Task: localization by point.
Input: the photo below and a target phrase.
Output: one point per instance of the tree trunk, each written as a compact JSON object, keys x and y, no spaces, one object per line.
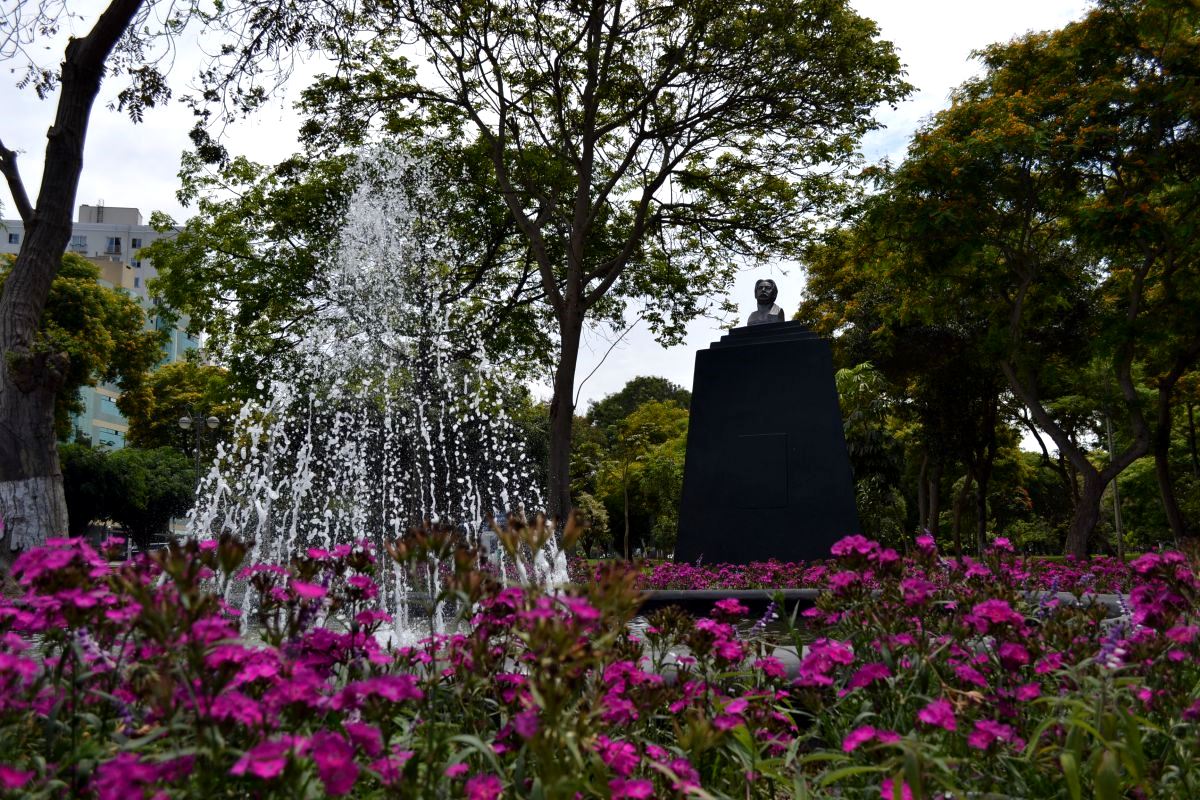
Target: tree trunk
{"x":1087,"y":514}
{"x":562,"y":415}
{"x":1192,"y":441}
{"x":923,"y":495}
{"x":960,"y":500}
{"x":981,"y":490}
{"x":1087,"y":502}
{"x":1162,"y":464}
{"x":625,"y":501}
{"x":32,"y":503}
{"x":935,"y":495}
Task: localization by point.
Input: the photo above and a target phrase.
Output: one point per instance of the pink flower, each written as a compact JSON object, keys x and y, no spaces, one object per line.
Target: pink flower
{"x":389,"y":767}
{"x":889,"y":790}
{"x":861,"y":735}
{"x":334,"y":758}
{"x":1013,"y":655}
{"x":986,"y":731}
{"x":916,"y":590}
{"x":994,"y":612}
{"x":771,"y":666}
{"x":13,"y":778}
{"x":1028,"y":691}
{"x":968,"y":674}
{"x":526,"y":724}
{"x":731,"y":607}
{"x":926,"y":544}
{"x":852,"y":545}
{"x":639,"y":789}
{"x":621,"y":757}
{"x":456,"y":770}
{"x":365,"y":737}
{"x":267,"y":759}
{"x":484,"y":787}
{"x":686,"y":776}
{"x":939,"y":713}
{"x":868,"y":675}
{"x":123,"y":777}
{"x":308,"y":591}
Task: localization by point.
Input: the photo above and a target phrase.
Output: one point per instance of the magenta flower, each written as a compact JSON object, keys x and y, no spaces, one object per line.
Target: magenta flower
{"x":484,"y":787}
{"x":456,"y":770}
{"x":852,"y":545}
{"x":638,"y":789}
{"x":940,"y":714}
{"x":334,"y":758}
{"x":686,"y":777}
{"x":926,"y":544}
{"x":986,"y":731}
{"x":308,"y":591}
{"x":621,"y":757}
{"x":994,"y":612}
{"x":365,"y":737}
{"x":526,"y":724}
{"x":267,"y":759}
{"x":889,"y":790}
{"x":1013,"y":655}
{"x":772,"y":667}
{"x":865,"y":733}
{"x":13,"y":778}
{"x":731,"y":607}
{"x":869,"y":674}
{"x":123,"y":777}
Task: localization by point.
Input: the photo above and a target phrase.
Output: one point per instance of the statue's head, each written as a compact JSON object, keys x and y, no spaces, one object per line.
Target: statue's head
{"x":765,"y":290}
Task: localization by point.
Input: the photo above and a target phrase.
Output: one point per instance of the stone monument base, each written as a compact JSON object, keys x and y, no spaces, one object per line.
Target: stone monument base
{"x":767,"y":473}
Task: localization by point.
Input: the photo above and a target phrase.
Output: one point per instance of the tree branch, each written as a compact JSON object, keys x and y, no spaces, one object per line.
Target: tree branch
{"x":8,"y":168}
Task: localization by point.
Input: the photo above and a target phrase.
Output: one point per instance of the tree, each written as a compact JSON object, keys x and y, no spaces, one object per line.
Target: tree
{"x":1057,"y":194}
{"x":131,"y":42}
{"x":173,"y":391}
{"x":87,"y":484}
{"x":650,"y":440}
{"x":252,"y":266}
{"x":639,"y":149}
{"x":610,"y":410}
{"x":149,"y":488}
{"x":102,"y":331}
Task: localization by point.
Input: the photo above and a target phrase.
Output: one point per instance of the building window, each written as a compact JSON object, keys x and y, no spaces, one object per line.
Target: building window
{"x":113,"y":247}
{"x":136,"y":263}
{"x":14,"y":238}
{"x":137,"y":281}
{"x":79,"y":242}
{"x":134,"y":244}
{"x":107,"y":437}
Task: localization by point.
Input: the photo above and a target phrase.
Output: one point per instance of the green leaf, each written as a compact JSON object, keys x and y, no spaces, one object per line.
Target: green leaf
{"x":1070,"y":767}
{"x":1108,"y":777}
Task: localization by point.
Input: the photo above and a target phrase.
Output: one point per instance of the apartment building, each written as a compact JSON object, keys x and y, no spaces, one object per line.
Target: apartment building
{"x":111,"y":237}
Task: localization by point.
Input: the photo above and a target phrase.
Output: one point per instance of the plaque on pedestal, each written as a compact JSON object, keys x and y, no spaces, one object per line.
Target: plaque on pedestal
{"x":767,"y":473}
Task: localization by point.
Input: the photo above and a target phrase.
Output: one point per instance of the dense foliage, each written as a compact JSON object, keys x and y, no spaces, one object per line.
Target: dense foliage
{"x":909,"y":678}
{"x":138,"y":489}
{"x":100,"y":328}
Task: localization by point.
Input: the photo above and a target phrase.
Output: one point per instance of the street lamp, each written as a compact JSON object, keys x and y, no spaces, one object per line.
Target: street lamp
{"x":198,"y":423}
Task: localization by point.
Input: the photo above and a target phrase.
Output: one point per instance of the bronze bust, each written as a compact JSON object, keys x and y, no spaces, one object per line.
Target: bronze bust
{"x":765,"y":292}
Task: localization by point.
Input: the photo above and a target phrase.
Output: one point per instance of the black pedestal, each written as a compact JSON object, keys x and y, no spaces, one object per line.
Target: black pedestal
{"x":767,"y":473}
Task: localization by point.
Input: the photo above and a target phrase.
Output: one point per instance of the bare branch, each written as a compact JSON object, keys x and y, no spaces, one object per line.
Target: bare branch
{"x":8,"y":168}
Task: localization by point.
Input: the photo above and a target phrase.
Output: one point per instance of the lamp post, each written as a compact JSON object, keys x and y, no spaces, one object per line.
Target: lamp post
{"x":196,"y":422}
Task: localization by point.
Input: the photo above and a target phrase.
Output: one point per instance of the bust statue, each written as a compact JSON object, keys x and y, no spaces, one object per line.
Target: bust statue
{"x":765,"y":292}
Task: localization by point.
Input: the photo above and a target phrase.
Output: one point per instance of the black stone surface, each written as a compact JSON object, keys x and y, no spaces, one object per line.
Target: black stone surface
{"x":767,"y":473}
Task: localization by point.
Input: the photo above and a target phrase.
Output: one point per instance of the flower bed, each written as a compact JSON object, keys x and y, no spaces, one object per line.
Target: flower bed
{"x":1100,"y":574}
{"x":925,"y":678}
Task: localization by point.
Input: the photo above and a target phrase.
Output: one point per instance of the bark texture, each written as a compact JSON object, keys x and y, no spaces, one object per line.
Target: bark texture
{"x":32,"y":503}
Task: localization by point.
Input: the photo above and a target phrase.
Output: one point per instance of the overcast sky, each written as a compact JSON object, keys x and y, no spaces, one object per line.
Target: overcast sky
{"x":128,"y":165}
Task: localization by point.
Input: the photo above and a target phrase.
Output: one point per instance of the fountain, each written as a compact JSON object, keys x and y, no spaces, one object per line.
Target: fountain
{"x":373,"y":425}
